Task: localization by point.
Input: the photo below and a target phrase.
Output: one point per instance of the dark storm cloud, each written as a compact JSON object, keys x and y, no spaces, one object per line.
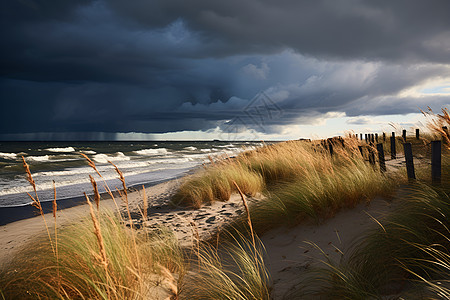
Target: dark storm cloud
{"x":342,"y":28}
{"x":165,"y":66}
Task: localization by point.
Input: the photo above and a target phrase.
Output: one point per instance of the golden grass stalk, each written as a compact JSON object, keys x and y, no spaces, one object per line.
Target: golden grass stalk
{"x":35,"y":200}
{"x":249,"y":220}
{"x":211,"y":160}
{"x":172,"y":284}
{"x":98,"y":234}
{"x":145,"y":203}
{"x":91,"y":164}
{"x":96,"y":193}
{"x":108,"y":190}
{"x":437,"y":123}
{"x":196,"y":236}
{"x":54,"y":209}
{"x":124,"y":191}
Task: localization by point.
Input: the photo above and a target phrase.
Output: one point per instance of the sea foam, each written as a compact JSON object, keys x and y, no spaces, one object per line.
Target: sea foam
{"x":103,"y":158}
{"x":158,"y":151}
{"x":66,"y":149}
{"x":8,"y":155}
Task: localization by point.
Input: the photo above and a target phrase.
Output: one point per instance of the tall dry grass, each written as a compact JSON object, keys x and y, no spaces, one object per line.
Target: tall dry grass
{"x":298,"y":179}
{"x":235,"y":271}
{"x":96,"y":259}
{"x":405,"y":255}
{"x":439,"y":124}
{"x":93,"y":266}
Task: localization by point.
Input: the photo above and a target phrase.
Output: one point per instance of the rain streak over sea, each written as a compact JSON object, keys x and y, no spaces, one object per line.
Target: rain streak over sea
{"x":140,"y":162}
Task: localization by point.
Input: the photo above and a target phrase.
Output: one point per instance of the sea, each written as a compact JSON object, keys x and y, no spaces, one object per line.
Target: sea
{"x":142,"y":163}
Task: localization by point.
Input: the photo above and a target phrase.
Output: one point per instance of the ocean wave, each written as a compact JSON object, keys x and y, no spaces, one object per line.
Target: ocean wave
{"x":38,"y":158}
{"x":190,"y":148}
{"x":158,"y":151}
{"x":66,"y":149}
{"x":226,"y":146}
{"x":8,"y":155}
{"x":205,"y":150}
{"x":103,"y":158}
{"x":88,"y":152}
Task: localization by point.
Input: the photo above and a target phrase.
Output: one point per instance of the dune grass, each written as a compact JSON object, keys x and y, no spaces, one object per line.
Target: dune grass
{"x":408,"y":253}
{"x":235,"y":270}
{"x":216,"y":184}
{"x":82,"y":272}
{"x":321,"y":195}
{"x":298,"y":180}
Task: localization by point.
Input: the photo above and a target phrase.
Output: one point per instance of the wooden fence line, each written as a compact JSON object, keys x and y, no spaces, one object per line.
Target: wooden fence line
{"x":436,"y":153}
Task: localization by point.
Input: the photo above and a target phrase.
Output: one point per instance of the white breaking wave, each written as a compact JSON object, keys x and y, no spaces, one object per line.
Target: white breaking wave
{"x":89,"y":152}
{"x":205,"y":150}
{"x":8,"y":155}
{"x":158,"y":151}
{"x":190,"y":148}
{"x":66,"y":149}
{"x":103,"y":158}
{"x":226,"y":146}
{"x":38,"y":158}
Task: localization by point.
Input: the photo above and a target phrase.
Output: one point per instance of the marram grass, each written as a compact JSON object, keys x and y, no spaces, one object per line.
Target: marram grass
{"x":407,"y":254}
{"x":234,"y":271}
{"x":80,"y":271}
{"x":270,"y":167}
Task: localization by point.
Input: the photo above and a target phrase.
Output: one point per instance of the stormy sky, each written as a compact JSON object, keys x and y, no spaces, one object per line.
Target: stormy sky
{"x":201,"y":69}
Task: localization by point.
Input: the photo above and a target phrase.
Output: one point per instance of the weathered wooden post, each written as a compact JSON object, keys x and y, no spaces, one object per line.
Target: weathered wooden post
{"x":384,"y":136}
{"x":393,"y":152}
{"x":381,"y":159}
{"x":404,"y":135}
{"x":409,"y":160}
{"x":371,"y":156}
{"x":361,"y":150}
{"x":330,"y":147}
{"x":360,"y":135}
{"x":417,"y":134}
{"x":436,"y":162}
{"x":366,"y":137}
{"x":376,"y":137}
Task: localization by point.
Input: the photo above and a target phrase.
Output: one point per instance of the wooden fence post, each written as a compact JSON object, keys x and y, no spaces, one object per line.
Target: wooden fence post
{"x":417,"y":133}
{"x":365,"y":137}
{"x":381,"y":159}
{"x":360,"y":135}
{"x":404,"y":135}
{"x":330,"y":147}
{"x":384,"y":136}
{"x":409,"y":160}
{"x":371,"y":156}
{"x":393,"y":152}
{"x":436,"y":162}
{"x":361,"y":150}
{"x":376,"y":137}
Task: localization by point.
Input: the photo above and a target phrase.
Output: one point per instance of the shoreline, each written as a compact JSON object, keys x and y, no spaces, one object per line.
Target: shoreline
{"x":10,"y":214}
{"x":14,"y":235}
